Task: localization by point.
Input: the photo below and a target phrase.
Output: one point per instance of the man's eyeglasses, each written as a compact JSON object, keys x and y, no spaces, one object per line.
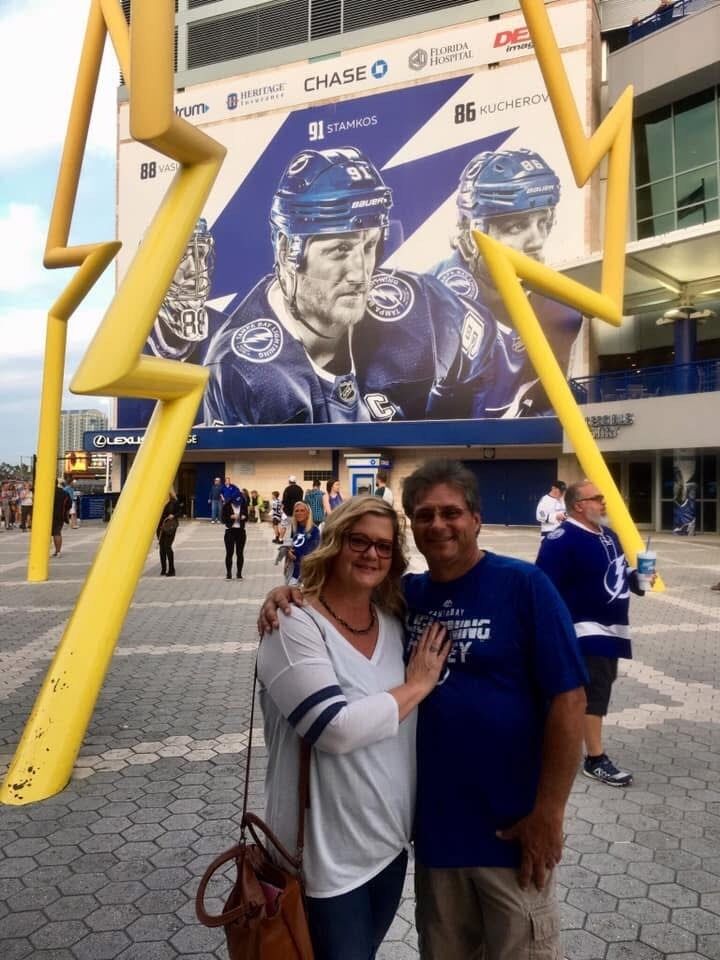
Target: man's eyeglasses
{"x":598,"y":498}
{"x":359,"y":543}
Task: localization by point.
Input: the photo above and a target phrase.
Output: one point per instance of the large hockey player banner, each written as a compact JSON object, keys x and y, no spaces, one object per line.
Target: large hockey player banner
{"x":332,"y":278}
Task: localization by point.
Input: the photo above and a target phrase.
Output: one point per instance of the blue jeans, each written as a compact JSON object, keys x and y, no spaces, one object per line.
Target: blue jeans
{"x":215,"y":507}
{"x":353,"y":925}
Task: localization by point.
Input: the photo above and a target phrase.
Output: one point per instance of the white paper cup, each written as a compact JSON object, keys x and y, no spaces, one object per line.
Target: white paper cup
{"x":646,"y":560}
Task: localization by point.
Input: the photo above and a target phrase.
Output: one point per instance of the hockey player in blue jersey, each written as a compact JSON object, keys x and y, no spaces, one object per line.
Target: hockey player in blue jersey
{"x":512,"y":196}
{"x":330,"y":338}
{"x":185,"y":325}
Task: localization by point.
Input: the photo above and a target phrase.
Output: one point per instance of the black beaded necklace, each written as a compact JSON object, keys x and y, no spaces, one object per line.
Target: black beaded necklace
{"x":345,"y":624}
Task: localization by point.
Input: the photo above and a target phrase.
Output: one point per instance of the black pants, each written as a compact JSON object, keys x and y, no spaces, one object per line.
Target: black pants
{"x":167,"y":557}
{"x":235,"y":538}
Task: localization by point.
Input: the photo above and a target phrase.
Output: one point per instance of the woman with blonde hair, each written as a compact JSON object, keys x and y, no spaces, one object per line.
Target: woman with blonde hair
{"x":303,"y":537}
{"x":333,"y":673}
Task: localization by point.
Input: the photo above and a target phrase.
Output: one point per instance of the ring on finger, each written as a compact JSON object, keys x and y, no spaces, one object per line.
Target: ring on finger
{"x":434,"y":649}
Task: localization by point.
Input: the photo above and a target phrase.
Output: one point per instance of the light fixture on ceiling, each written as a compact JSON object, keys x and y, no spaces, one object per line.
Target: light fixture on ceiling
{"x":688,"y":312}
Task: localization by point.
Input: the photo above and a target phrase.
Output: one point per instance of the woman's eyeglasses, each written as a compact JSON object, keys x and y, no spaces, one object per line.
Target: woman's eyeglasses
{"x":359,"y":543}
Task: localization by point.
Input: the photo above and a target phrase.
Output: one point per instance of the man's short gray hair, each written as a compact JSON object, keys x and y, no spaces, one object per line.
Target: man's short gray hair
{"x":434,"y":472}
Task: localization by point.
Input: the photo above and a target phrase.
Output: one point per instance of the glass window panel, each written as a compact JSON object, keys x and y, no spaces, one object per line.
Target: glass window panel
{"x":666,"y":515}
{"x":709,"y":518}
{"x":653,"y":146}
{"x":657,"y":198}
{"x":695,"y":133}
{"x":667,"y":478}
{"x":699,"y":213}
{"x":695,"y":187}
{"x":655,"y":226}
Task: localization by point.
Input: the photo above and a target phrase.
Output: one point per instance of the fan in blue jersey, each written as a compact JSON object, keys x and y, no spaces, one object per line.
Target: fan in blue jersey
{"x":328,"y":337}
{"x":185,"y":324}
{"x":511,"y":195}
{"x":585,"y":561}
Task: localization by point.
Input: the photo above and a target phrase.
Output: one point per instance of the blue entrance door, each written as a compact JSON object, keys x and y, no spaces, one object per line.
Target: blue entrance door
{"x":205,"y":473}
{"x":510,"y":489}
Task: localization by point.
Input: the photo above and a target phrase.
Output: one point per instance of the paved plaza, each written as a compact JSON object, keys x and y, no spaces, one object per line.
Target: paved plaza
{"x":110,"y":866}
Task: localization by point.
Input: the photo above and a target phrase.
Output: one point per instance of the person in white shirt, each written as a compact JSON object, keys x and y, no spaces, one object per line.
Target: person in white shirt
{"x":382,"y":489}
{"x":333,"y":673}
{"x":550,"y":511}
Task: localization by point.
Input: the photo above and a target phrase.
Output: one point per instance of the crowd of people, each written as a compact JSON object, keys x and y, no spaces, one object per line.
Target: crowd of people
{"x":16,"y":503}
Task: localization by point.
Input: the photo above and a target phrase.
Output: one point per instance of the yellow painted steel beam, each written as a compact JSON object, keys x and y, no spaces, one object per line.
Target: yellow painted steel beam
{"x":508,"y":267}
{"x":114,"y":365}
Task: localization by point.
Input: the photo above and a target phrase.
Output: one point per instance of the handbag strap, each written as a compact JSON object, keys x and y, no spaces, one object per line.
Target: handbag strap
{"x":303,"y":781}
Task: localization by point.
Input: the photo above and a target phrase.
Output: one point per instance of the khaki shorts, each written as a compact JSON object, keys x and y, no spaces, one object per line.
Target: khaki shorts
{"x":480,"y":913}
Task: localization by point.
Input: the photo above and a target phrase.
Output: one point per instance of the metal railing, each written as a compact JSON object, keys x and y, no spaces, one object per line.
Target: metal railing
{"x":703,"y":376}
{"x":665,"y":14}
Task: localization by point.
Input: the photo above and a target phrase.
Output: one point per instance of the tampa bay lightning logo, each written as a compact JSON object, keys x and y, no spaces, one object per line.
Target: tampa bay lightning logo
{"x":299,"y":164}
{"x":258,"y":341}
{"x":616,"y":582}
{"x":460,"y":282}
{"x":391,"y":297}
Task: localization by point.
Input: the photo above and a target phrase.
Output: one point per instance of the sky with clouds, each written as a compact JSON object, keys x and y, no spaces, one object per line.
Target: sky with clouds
{"x":40,"y":43}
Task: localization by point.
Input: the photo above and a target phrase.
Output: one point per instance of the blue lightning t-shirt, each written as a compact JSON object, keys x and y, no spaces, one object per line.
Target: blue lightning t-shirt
{"x":480,"y":732}
{"x":419,"y":352}
{"x":515,"y":389}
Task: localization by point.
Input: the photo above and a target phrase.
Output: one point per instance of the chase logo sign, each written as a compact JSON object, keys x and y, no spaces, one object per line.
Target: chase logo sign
{"x":258,"y":341}
{"x":379,"y":69}
{"x":391,"y":298}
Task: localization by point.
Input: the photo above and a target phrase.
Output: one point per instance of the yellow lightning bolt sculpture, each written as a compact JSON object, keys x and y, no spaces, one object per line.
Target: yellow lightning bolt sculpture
{"x":114,"y":365}
{"x":507,"y":267}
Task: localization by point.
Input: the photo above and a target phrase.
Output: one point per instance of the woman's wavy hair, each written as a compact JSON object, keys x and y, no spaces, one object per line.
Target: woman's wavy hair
{"x":317,"y":566}
{"x":309,"y":523}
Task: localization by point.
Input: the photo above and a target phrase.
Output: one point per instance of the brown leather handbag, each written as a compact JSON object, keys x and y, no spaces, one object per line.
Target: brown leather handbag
{"x":264,"y":916}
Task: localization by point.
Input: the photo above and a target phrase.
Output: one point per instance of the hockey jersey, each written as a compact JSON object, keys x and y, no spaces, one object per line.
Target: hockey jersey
{"x":516,"y":390}
{"x":419,"y":352}
{"x":592,"y":576}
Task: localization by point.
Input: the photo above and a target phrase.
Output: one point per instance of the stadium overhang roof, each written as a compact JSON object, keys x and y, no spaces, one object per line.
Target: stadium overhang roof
{"x":676,"y":269}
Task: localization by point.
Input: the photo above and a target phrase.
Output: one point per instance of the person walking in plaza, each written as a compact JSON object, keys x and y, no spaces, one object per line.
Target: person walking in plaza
{"x":314,"y":499}
{"x":550,"y":511}
{"x":26,"y":507}
{"x":333,"y":498}
{"x":302,"y":538}
{"x":291,"y":495}
{"x":60,"y":516}
{"x":166,"y":530}
{"x":229,"y":491}
{"x":276,"y":515}
{"x":585,"y":561}
{"x":215,"y":500}
{"x":499,"y":739}
{"x":234,"y":516}
{"x":333,"y":673}
{"x":382,"y":489}
{"x":6,"y":504}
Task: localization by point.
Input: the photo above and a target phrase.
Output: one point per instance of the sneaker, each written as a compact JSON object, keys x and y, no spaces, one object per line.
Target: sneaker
{"x":603,"y":769}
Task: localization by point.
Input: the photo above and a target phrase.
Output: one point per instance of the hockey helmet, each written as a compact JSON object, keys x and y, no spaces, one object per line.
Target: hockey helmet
{"x":328,"y":192}
{"x":506,"y":181}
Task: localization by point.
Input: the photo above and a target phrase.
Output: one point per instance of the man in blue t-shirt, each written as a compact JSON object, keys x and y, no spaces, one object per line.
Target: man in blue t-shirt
{"x":585,"y":561}
{"x":499,"y":738}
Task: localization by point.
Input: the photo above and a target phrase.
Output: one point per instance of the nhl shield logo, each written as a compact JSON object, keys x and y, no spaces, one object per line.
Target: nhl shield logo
{"x":347,"y":392}
{"x":391,"y":297}
{"x":460,"y":282}
{"x":258,"y":341}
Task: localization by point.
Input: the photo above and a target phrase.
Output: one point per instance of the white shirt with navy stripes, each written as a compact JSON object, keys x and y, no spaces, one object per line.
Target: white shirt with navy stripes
{"x":362,"y":776}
